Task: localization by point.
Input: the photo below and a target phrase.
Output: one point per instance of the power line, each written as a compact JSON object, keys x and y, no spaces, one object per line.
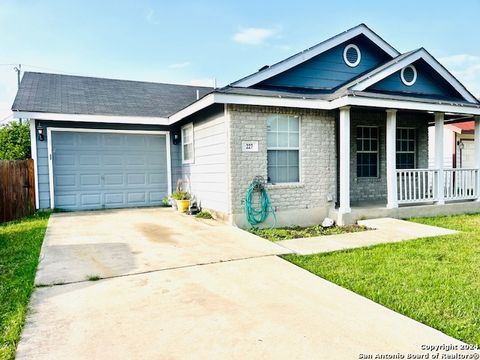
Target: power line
{"x":44,"y":68}
{"x":51,"y":69}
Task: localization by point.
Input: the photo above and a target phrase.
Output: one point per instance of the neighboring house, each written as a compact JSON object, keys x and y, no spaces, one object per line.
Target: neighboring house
{"x":339,"y":130}
{"x":459,"y":145}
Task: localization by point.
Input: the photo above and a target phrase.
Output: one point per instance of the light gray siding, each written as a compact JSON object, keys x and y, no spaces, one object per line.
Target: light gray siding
{"x":43,"y":182}
{"x":42,"y":150}
{"x":206,"y":177}
{"x":176,"y":156}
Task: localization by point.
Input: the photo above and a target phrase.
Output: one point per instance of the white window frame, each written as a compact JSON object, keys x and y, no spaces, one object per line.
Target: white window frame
{"x":402,"y":75}
{"x":192,"y":160}
{"x":345,"y":58}
{"x":407,"y":152}
{"x":367,"y":152}
{"x":289,"y":148}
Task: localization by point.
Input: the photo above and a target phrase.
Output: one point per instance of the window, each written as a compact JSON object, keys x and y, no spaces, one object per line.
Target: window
{"x":367,"y":151}
{"x":283,"y":140}
{"x":187,"y":144}
{"x":406,"y":139}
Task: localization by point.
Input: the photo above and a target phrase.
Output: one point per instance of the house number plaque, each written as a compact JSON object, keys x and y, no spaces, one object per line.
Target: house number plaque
{"x":250,"y":146}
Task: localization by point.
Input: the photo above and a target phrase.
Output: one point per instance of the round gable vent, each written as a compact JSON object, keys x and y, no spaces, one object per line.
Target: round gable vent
{"x":409,"y":75}
{"x":352,"y":55}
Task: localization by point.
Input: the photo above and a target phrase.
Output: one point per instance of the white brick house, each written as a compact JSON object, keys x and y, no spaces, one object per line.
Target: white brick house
{"x":339,"y":130}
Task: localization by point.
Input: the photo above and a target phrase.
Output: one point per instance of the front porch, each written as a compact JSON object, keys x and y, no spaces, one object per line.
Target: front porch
{"x":394,"y":167}
{"x":374,"y":210}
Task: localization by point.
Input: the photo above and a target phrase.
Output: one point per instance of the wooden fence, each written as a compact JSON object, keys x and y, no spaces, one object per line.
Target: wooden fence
{"x":17,"y":189}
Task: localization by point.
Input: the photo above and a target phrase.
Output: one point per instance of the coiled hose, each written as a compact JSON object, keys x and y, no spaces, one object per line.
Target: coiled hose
{"x":258,"y":215}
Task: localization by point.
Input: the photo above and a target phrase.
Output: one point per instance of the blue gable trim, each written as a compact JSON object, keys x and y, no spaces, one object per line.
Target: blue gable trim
{"x":428,"y":84}
{"x":328,"y":70}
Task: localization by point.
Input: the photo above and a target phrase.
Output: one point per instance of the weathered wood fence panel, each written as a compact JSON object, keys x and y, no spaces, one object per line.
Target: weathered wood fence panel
{"x":17,"y":189}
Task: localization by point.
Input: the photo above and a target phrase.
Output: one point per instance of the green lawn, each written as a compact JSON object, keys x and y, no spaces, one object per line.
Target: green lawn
{"x":433,"y":280}
{"x":295,"y":232}
{"x":20,"y":243}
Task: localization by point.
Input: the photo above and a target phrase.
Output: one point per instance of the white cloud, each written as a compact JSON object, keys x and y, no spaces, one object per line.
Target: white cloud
{"x":465,"y":68}
{"x":179,"y":65}
{"x":253,"y":36}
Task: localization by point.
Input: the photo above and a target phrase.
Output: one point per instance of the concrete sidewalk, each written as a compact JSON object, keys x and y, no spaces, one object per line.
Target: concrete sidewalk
{"x":386,"y":230}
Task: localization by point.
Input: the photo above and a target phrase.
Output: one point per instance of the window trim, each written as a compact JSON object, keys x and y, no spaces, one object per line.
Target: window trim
{"x":368,"y":152}
{"x":192,"y":160}
{"x":402,"y":75}
{"x":300,"y":178}
{"x":345,"y":58}
{"x":407,"y":152}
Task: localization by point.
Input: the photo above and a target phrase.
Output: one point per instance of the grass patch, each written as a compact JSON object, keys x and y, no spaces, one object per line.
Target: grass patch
{"x":204,"y":215}
{"x":20,"y":243}
{"x":93,"y":277}
{"x":433,"y":280}
{"x":295,"y":232}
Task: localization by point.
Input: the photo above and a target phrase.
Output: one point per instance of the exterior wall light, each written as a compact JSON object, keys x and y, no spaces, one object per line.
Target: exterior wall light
{"x":176,"y":139}
{"x":40,"y":133}
{"x":461,"y":146}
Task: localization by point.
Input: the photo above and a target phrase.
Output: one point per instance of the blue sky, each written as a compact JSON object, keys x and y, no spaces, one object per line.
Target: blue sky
{"x":192,"y":42}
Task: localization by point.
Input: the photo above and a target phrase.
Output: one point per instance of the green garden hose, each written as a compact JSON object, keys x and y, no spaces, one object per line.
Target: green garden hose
{"x":258,"y":215}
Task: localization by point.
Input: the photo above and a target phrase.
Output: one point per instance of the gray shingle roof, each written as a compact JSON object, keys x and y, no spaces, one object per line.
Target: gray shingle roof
{"x":66,"y":94}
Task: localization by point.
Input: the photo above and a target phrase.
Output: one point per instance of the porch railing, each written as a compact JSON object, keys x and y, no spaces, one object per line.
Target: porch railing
{"x":421,"y":185}
{"x":460,"y":184}
{"x":416,"y":185}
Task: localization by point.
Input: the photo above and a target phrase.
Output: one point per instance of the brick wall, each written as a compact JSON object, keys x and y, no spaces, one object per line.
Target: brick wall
{"x":317,"y":185}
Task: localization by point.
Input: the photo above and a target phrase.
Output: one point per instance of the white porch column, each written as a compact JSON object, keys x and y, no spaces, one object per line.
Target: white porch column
{"x":439,"y":140}
{"x":392,"y":199}
{"x":477,"y":154}
{"x":344,"y":161}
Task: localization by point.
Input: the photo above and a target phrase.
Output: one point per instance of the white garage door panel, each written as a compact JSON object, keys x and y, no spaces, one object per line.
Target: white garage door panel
{"x":102,"y":170}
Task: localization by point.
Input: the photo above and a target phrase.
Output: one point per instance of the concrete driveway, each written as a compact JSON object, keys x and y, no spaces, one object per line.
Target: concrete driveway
{"x":112,"y":243}
{"x":254,"y":306}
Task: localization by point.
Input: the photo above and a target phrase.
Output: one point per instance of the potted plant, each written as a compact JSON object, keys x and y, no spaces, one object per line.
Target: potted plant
{"x":182,"y":198}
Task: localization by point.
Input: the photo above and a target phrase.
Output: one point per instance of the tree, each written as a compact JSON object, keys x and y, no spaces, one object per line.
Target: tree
{"x":15,"y":141}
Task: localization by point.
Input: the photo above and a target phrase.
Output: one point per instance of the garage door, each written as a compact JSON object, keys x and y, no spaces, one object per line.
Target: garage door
{"x":108,"y":170}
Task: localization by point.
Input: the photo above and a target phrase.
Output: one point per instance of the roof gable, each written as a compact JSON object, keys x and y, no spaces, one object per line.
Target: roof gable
{"x":428,"y":83}
{"x":435,"y":80}
{"x":328,"y":70}
{"x":314,"y":51}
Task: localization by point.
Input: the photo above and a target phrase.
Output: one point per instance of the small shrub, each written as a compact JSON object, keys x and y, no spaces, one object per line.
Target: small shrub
{"x":15,"y":141}
{"x":204,"y":215}
{"x":166,"y":202}
{"x":93,"y":277}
